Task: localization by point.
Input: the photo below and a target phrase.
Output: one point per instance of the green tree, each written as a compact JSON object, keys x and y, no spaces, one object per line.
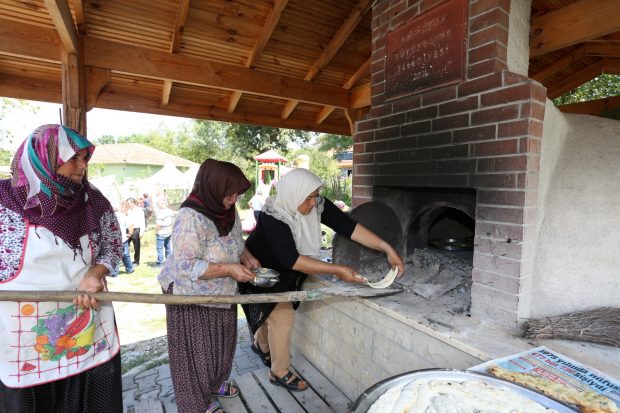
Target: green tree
{"x":104,"y":140}
{"x":326,"y":167}
{"x":337,"y":143}
{"x":5,"y":156}
{"x":250,"y":140}
{"x":602,"y":86}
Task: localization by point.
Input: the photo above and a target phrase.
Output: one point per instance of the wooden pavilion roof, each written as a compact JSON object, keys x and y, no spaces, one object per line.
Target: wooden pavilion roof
{"x":301,"y":64}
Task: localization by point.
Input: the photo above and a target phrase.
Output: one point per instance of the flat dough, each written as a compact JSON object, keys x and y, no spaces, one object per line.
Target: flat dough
{"x":386,"y":281}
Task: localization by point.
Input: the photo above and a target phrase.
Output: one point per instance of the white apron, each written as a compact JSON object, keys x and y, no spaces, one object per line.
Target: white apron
{"x":47,"y":341}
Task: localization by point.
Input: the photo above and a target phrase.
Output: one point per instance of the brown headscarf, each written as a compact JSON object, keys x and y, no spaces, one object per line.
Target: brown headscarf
{"x":215,"y":181}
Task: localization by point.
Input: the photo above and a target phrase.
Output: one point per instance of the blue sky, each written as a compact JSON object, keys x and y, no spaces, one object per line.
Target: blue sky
{"x":99,"y":122}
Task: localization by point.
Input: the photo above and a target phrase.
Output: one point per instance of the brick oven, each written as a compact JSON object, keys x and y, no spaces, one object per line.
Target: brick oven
{"x":452,"y":148}
{"x":472,"y":143}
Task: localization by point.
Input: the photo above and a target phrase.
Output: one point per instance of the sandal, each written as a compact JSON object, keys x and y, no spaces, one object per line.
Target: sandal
{"x":289,"y":381}
{"x":215,"y":407}
{"x":227,"y":390}
{"x":265,"y":357}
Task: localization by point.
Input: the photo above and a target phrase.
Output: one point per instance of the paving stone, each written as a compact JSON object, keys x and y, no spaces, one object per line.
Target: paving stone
{"x":145,"y":373}
{"x":164,"y":372}
{"x":170,"y":405}
{"x":149,"y":406}
{"x":147,"y":385}
{"x":129,"y":383}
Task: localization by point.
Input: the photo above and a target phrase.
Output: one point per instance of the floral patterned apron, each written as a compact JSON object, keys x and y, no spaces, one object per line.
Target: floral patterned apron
{"x":47,"y":341}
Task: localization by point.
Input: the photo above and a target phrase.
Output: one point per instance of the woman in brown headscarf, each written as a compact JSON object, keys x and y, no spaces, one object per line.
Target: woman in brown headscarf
{"x":209,"y":257}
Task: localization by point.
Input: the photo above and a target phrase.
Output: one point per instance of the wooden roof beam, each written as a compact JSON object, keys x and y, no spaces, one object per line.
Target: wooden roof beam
{"x":24,"y":40}
{"x":21,"y":39}
{"x":30,"y":88}
{"x":602,"y":50}
{"x":592,"y":107}
{"x":576,"y":79}
{"x":359,"y":73}
{"x":343,"y":33}
{"x":573,"y":24}
{"x":80,"y":17}
{"x":201,"y":72}
{"x":261,"y":41}
{"x":179,"y":25}
{"x":63,"y":21}
{"x":559,"y":64}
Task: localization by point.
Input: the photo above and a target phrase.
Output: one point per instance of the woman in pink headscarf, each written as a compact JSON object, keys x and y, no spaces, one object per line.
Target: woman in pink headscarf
{"x":57,"y":232}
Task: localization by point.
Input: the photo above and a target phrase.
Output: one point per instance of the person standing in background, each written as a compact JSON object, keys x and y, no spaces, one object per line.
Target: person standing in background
{"x":164,"y":217}
{"x":125,"y":236}
{"x":256,"y":203}
{"x":137,"y":225}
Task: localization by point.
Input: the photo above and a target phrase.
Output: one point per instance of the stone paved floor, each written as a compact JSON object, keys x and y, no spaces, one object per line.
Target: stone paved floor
{"x":151,"y":391}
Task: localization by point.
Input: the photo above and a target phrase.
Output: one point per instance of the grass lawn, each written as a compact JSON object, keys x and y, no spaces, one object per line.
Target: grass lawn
{"x":136,"y":321}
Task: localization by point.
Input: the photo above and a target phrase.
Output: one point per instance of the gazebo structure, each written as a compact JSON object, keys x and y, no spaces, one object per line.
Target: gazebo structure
{"x":449,"y":105}
{"x":268,"y":166}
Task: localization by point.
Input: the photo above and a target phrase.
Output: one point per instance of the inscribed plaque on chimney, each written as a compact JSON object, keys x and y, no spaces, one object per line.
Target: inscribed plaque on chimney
{"x":427,"y":51}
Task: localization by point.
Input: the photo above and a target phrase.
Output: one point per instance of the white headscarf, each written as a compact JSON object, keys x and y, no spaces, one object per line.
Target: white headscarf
{"x":293,"y":189}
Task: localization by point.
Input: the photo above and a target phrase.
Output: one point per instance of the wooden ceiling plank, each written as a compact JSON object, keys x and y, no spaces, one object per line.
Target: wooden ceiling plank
{"x":80,"y":17}
{"x":261,"y":41}
{"x":573,"y":24}
{"x":343,"y":33}
{"x":576,"y":79}
{"x":192,"y":70}
{"x":544,"y":74}
{"x":63,"y":21}
{"x":175,"y":44}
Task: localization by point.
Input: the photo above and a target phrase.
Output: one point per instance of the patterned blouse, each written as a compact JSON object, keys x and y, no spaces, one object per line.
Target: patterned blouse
{"x":106,"y":245}
{"x":195,"y":244}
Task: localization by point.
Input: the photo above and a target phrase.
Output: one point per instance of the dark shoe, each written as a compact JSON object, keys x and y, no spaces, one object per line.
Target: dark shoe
{"x":227,"y":389}
{"x":289,"y":381}
{"x":265,"y":357}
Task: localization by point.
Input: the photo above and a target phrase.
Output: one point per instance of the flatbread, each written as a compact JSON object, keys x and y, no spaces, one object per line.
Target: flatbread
{"x":451,"y":396}
{"x":587,"y":401}
{"x":386,"y":281}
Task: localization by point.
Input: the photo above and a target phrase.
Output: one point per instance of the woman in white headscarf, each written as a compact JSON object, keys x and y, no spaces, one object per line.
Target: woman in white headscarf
{"x":287,"y":238}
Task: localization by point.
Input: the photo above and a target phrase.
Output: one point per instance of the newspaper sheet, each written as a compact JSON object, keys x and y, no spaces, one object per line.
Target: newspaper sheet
{"x":542,"y":367}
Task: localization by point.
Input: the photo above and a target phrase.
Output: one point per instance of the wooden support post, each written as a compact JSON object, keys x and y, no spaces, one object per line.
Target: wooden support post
{"x":73,"y":94}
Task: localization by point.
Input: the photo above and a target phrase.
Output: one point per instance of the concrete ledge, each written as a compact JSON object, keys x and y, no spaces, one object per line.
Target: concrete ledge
{"x":357,"y":342}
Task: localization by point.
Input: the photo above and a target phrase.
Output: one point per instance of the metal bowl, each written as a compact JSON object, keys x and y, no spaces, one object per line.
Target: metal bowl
{"x":372,"y":394}
{"x":265,"y":277}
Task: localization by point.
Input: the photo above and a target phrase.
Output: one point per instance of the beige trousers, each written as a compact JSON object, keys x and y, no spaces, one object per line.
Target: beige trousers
{"x":274,"y":336}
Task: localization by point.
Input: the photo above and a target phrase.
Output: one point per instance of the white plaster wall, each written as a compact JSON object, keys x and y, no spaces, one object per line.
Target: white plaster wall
{"x":519,"y":36}
{"x":577,"y":264}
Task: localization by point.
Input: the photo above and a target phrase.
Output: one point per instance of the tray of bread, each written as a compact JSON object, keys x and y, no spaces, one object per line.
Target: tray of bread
{"x":450,"y":390}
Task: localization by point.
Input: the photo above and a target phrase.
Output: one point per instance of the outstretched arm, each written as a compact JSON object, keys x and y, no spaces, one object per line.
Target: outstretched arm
{"x":369,"y":239}
{"x":310,"y":265}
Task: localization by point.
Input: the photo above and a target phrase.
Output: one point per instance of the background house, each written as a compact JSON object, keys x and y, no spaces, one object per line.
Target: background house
{"x":132,"y":160}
